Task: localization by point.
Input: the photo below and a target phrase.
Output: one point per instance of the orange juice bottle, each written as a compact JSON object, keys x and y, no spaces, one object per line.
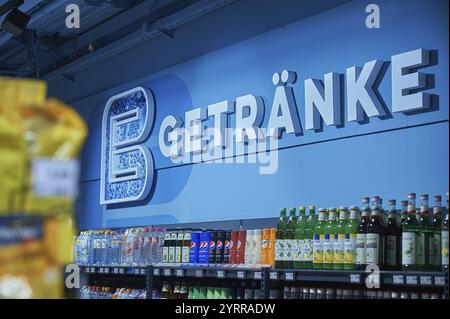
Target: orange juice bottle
{"x":265,"y":246}
{"x":271,"y":247}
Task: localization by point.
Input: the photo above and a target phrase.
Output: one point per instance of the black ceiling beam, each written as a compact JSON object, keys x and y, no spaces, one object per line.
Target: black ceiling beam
{"x":9,"y":5}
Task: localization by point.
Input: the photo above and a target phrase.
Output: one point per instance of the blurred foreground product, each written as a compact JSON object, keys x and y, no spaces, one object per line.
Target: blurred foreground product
{"x":40,"y":141}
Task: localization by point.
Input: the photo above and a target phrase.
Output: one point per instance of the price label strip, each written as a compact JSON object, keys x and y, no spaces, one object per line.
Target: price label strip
{"x":143,"y":271}
{"x":289,"y":276}
{"x":137,"y":271}
{"x":180,"y":273}
{"x":355,"y":278}
{"x":220,"y":274}
{"x":199,"y":273}
{"x":156,"y":272}
{"x":425,"y":280}
{"x":92,"y":270}
{"x":398,"y":279}
{"x":240,"y":274}
{"x":411,"y":280}
{"x":257,"y":275}
{"x":121,"y":271}
{"x":273,"y":275}
{"x":439,"y":281}
{"x":167,"y":272}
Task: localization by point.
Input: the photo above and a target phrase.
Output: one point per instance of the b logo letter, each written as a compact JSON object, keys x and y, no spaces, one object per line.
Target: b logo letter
{"x":127,"y":167}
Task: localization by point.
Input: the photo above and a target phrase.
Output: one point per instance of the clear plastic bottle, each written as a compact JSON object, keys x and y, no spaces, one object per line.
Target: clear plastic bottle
{"x":257,"y":238}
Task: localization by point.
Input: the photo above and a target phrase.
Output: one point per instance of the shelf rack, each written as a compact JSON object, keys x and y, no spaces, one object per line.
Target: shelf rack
{"x":267,"y":277}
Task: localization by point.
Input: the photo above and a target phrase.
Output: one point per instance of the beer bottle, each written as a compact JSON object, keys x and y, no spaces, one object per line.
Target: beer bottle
{"x":410,"y":237}
{"x":444,"y":240}
{"x":424,"y":232}
{"x":434,"y":251}
{"x":404,"y":211}
{"x":299,"y":238}
{"x":308,"y":238}
{"x":167,"y":240}
{"x":375,"y":238}
{"x":280,"y":240}
{"x":290,"y":233}
{"x":339,"y":239}
{"x":328,"y":243}
{"x":179,"y":247}
{"x":318,"y":240}
{"x":393,"y":235}
{"x":361,"y":236}
{"x":351,"y":233}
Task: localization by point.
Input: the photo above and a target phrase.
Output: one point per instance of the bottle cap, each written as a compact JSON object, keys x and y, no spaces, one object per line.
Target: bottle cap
{"x":332,"y":209}
{"x":312,"y":207}
{"x":375,"y":197}
{"x":301,"y":209}
{"x":322,"y":210}
{"x":424,"y":197}
{"x":437,"y":198}
{"x":392,"y":202}
{"x":365,"y":199}
{"x":404,"y":203}
{"x":412,"y":195}
{"x":292,"y":210}
{"x":343,"y":208}
{"x":354,"y":208}
{"x":283,"y":210}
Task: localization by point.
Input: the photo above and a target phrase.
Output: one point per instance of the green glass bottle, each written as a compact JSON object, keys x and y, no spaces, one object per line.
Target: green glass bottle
{"x":328,"y":242}
{"x":290,"y":240}
{"x":410,"y":237}
{"x":280,"y":240}
{"x":425,"y":231}
{"x":434,"y":251}
{"x":319,"y":239}
{"x":308,"y":238}
{"x":392,"y":239}
{"x":299,"y":238}
{"x":339,"y":239}
{"x":444,"y":240}
{"x":351,"y":231}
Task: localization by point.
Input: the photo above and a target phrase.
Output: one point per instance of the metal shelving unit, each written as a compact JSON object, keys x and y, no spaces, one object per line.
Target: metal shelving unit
{"x":266,"y":277}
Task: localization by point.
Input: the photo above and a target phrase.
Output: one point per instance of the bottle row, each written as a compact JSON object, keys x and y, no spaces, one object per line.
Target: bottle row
{"x":96,"y":292}
{"x":338,"y":293}
{"x":409,"y":239}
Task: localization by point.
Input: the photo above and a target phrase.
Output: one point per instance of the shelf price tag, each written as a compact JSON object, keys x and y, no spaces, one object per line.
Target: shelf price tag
{"x":273,"y":275}
{"x":398,"y":279}
{"x":180,"y":273}
{"x":439,"y":281}
{"x":156,"y":272}
{"x":92,"y":270}
{"x":425,"y":280}
{"x":289,"y":276}
{"x":240,"y":274}
{"x":355,"y":278}
{"x":106,"y":271}
{"x":143,"y":271}
{"x":199,"y":273}
{"x":167,"y":272}
{"x":137,"y":271}
{"x":87,"y":270}
{"x":121,"y":270}
{"x":115,"y":271}
{"x":411,"y":280}
{"x":101,"y":270}
{"x":257,"y":275}
{"x":220,"y":274}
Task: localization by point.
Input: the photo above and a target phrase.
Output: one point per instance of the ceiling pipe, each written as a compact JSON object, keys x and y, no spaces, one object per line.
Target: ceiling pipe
{"x":49,"y":7}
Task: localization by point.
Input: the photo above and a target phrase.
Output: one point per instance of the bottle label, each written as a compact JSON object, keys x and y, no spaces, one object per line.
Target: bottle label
{"x":171,"y":254}
{"x":298,"y":250}
{"x":372,"y":248}
{"x":178,"y":254}
{"x":264,"y":244}
{"x":328,"y":249}
{"x":361,"y":249}
{"x":339,"y":248}
{"x":307,"y":251}
{"x":391,"y":250}
{"x":434,"y":249}
{"x":409,"y":248}
{"x":288,"y":249}
{"x":421,"y":249}
{"x":279,"y":250}
{"x":185,"y":254}
{"x":444,"y":247}
{"x":165,"y":254}
{"x":350,"y":249}
{"x":318,"y":249}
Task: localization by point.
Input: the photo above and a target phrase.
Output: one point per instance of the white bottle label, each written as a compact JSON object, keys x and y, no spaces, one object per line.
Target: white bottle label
{"x":288,"y":249}
{"x":307,"y":250}
{"x":409,"y":248}
{"x":279,"y":250}
{"x":318,"y":249}
{"x":372,"y":248}
{"x":165,"y":254}
{"x":391,"y":250}
{"x":297,"y":250}
{"x":361,"y":249}
{"x":339,"y":248}
{"x":444,"y":247}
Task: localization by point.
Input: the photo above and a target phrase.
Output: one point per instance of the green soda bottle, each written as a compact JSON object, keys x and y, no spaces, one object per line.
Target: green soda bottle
{"x":425,"y":231}
{"x":308,"y":238}
{"x":319,"y":239}
{"x":299,"y":236}
{"x":351,"y":232}
{"x":280,"y":240}
{"x":339,"y":239}
{"x":434,"y":252}
{"x":290,"y":240}
{"x":410,"y":237}
{"x":328,"y":242}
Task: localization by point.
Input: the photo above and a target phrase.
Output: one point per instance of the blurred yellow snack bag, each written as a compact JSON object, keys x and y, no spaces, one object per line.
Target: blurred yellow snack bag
{"x":16,"y":91}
